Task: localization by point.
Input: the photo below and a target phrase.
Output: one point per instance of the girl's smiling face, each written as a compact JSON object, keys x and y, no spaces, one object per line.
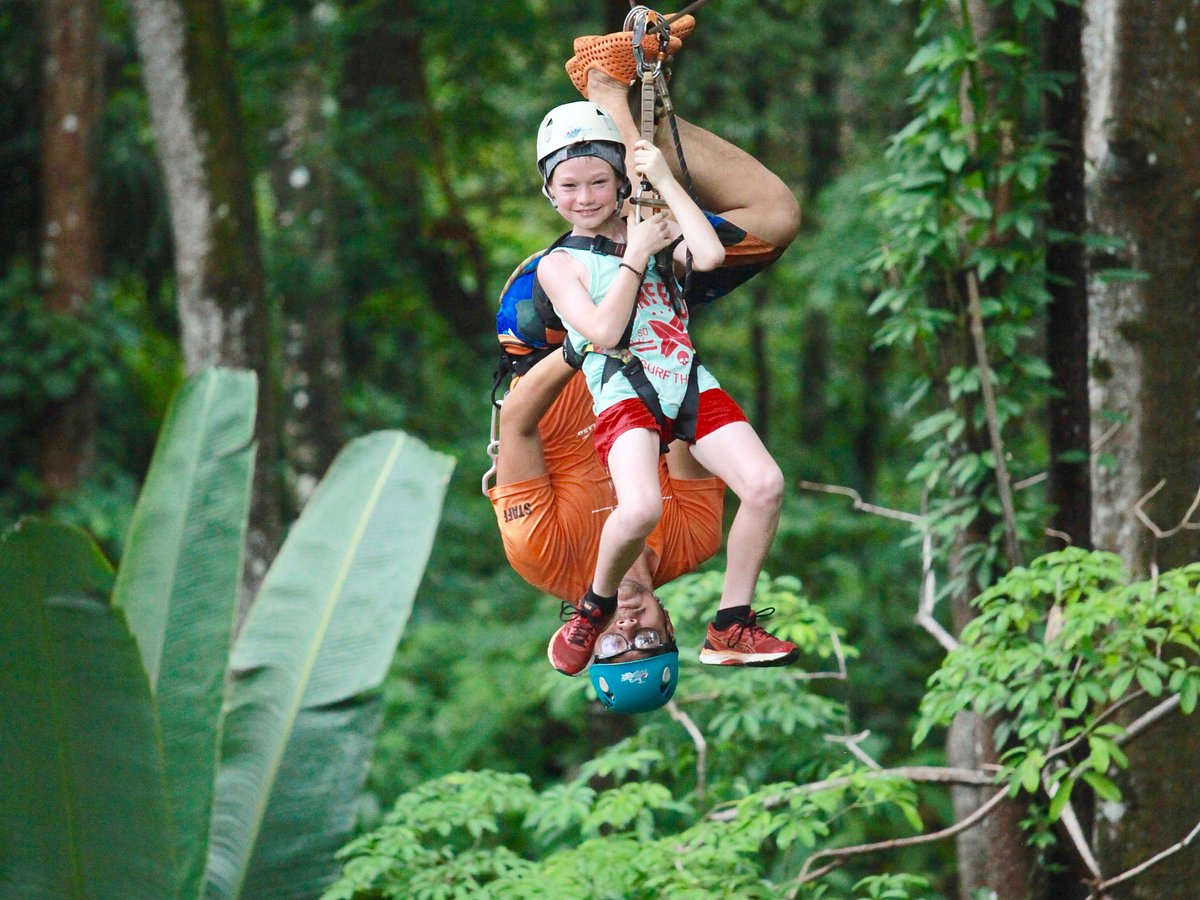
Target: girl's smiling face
{"x":585,"y":191}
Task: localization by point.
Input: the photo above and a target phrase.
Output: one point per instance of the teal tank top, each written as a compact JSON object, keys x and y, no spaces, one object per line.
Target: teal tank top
{"x":659,"y":338}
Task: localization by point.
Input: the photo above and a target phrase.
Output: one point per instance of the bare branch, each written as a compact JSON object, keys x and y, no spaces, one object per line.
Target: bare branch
{"x":861,"y":504}
{"x":839,"y":654}
{"x":1003,"y":482}
{"x":1184,"y":523}
{"x":1108,"y":435}
{"x":928,"y":599}
{"x":1148,"y":719}
{"x":701,"y":744}
{"x":1074,"y":829}
{"x":1143,"y":866}
{"x":1100,"y":719}
{"x":857,"y":850}
{"x":1042,"y":476}
{"x":1030,"y":481}
{"x":813,"y":876}
{"x":1061,"y":535}
{"x":852,"y":744}
{"x":921,"y":774}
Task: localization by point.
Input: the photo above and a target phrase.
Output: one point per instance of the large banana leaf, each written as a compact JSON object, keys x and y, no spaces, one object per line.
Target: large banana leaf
{"x":178,"y":585}
{"x":308,"y":664}
{"x":82,"y":798}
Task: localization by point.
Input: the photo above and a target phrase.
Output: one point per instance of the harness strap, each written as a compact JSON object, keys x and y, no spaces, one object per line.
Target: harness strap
{"x":541,"y":303}
{"x":606,"y":247}
{"x":598,"y":244}
{"x":684,"y":426}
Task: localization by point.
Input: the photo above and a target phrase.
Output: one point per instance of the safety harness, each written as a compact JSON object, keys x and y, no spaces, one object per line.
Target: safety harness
{"x":526,"y":324}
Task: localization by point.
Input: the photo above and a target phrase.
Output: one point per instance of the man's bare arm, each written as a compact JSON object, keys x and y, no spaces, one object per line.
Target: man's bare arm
{"x":520,"y":455}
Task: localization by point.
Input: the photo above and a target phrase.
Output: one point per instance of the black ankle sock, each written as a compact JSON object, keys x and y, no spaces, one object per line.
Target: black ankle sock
{"x":727,"y":617}
{"x":608,"y":605}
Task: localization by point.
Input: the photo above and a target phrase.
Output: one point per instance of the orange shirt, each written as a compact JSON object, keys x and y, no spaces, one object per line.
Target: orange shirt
{"x":551,"y":525}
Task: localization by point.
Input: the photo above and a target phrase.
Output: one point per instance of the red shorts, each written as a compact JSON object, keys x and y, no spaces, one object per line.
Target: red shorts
{"x":716,"y":409}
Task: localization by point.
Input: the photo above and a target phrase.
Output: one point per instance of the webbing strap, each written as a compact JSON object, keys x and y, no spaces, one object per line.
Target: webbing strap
{"x":597,"y":244}
{"x":684,"y":426}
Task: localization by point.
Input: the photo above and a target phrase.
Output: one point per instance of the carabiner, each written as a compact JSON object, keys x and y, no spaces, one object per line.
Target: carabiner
{"x":643,"y":19}
{"x":493,"y":451}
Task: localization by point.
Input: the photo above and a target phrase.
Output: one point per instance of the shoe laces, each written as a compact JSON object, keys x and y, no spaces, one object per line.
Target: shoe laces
{"x":750,"y":624}
{"x":580,"y":628}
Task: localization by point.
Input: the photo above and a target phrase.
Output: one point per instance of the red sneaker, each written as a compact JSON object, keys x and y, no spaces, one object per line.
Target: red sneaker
{"x":745,"y":643}
{"x":571,"y":649}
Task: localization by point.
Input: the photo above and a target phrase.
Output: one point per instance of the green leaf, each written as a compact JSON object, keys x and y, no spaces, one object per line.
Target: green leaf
{"x":1100,"y":755}
{"x":313,"y":652}
{"x":1187,"y":696}
{"x":1120,"y":684}
{"x":84,"y":811}
{"x":1150,"y":681}
{"x":178,"y":586}
{"x":1106,"y":276}
{"x":974,"y":205}
{"x":1061,"y":799}
{"x":953,"y":156}
{"x":1030,"y":772}
{"x":1103,"y":787}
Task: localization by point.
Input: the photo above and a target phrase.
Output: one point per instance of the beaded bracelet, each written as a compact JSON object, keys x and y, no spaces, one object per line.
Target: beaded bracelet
{"x":641,"y":275}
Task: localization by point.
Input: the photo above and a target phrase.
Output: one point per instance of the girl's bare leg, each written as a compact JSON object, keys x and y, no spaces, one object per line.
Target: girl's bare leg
{"x":736,"y":455}
{"x":633,"y":465}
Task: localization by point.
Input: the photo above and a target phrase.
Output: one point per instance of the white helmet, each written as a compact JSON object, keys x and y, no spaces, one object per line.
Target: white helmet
{"x":579,"y":129}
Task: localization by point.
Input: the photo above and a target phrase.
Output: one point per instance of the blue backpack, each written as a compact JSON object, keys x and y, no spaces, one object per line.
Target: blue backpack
{"x":526,"y":324}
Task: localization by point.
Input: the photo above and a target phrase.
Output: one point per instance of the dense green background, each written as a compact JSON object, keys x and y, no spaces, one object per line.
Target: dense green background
{"x":428,"y":197}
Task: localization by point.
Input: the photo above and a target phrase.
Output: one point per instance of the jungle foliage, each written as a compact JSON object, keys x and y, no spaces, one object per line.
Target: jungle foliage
{"x":227,"y":772}
{"x":894,"y":355}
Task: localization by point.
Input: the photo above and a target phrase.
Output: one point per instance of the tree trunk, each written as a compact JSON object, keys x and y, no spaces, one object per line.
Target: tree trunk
{"x":1068,"y":417}
{"x":223,"y":310}
{"x":69,"y":251}
{"x":993,"y":855}
{"x":1143,"y":143}
{"x":1066,"y":327}
{"x":824,"y":119}
{"x":384,"y":84}
{"x":813,"y":367}
{"x":307,"y":269}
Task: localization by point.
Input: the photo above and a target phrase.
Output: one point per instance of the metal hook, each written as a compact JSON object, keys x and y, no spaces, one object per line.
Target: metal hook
{"x":643,"y":19}
{"x":493,"y":450}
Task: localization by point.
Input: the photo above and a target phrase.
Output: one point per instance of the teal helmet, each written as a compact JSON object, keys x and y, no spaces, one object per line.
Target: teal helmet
{"x":637,"y":686}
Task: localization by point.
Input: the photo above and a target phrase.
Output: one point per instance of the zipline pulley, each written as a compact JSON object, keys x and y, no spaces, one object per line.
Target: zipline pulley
{"x":642,"y":21}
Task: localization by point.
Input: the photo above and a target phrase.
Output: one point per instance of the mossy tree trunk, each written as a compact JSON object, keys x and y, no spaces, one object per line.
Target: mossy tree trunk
{"x":1143,"y":145}
{"x":993,"y":856}
{"x":224,"y":313}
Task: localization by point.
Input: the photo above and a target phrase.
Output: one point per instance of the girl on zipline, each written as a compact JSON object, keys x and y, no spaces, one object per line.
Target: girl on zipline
{"x":626,"y":319}
{"x":552,"y":497}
